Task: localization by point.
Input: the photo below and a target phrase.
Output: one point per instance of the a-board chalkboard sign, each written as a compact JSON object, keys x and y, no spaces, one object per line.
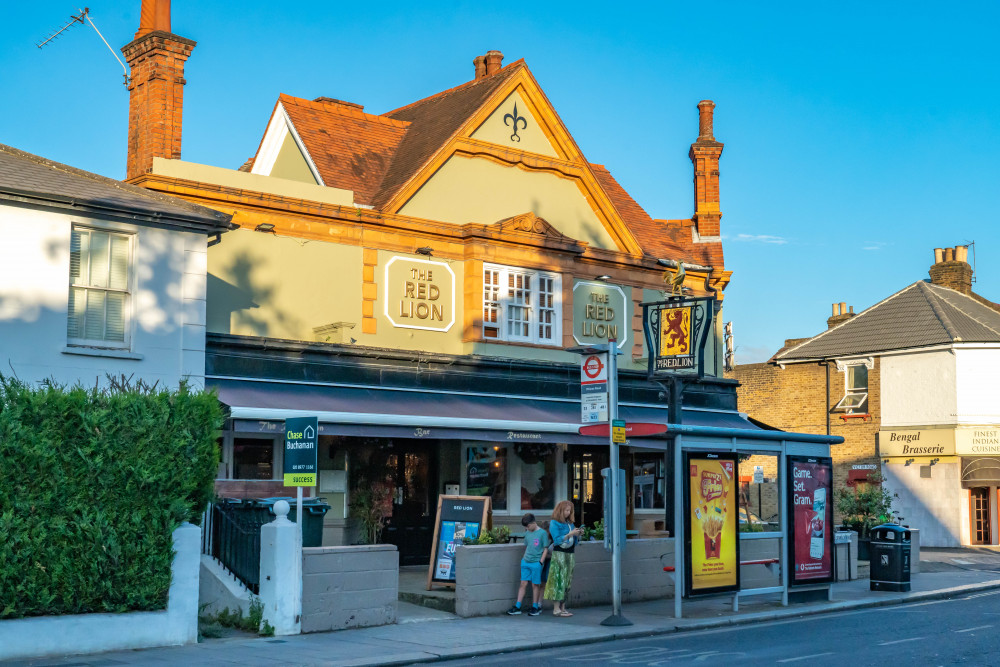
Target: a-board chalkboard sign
{"x":458,"y":517}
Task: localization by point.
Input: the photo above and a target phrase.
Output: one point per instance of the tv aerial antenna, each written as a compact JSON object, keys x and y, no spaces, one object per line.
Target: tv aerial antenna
{"x":84,"y":16}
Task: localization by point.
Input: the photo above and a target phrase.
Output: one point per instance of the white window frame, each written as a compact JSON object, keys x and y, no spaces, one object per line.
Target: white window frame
{"x":855,"y":400}
{"x":128,"y":291}
{"x":497,"y":299}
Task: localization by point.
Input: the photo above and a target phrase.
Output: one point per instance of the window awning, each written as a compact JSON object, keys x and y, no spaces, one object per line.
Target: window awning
{"x":980,"y":471}
{"x":261,"y":407}
{"x":855,"y":477}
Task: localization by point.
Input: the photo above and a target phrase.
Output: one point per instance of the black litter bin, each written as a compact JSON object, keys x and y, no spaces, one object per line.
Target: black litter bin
{"x":313,"y":512}
{"x":890,"y":558}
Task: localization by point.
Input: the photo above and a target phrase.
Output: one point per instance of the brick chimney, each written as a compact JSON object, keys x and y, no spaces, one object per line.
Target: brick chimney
{"x":705,"y":153}
{"x":156,"y":88}
{"x":479,"y":62}
{"x":951,"y":269}
{"x":840,"y":314}
{"x":494,"y":61}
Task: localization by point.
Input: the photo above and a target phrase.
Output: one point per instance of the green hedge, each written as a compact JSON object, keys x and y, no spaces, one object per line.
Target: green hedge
{"x":93,"y":484}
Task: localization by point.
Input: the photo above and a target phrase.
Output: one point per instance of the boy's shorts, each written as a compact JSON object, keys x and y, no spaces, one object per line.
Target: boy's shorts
{"x":531,"y":572}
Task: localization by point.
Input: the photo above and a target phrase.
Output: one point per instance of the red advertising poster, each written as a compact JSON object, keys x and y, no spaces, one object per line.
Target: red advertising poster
{"x":811,"y":502}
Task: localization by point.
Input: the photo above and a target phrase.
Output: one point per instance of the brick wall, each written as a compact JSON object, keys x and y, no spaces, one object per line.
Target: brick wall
{"x":794,"y":399}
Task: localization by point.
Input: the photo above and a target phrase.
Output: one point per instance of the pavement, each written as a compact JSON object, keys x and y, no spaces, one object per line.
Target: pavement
{"x":426,"y":635}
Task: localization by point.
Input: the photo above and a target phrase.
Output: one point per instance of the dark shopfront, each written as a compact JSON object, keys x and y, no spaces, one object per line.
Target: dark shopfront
{"x":436,"y":431}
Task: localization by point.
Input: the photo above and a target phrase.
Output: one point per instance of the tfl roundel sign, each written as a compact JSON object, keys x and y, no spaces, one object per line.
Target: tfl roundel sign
{"x":593,"y":369}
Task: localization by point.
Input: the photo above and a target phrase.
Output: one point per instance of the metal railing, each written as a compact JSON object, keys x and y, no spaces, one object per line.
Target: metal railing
{"x":231,"y":535}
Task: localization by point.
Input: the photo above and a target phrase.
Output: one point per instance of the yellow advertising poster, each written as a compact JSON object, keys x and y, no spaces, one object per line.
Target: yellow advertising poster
{"x":675,"y":331}
{"x":714,"y":555}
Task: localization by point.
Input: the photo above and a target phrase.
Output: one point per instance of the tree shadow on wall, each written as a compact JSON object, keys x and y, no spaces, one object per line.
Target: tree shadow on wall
{"x":245,"y":304}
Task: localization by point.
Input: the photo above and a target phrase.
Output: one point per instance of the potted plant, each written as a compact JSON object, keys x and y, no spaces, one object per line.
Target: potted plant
{"x":372,"y":506}
{"x":864,"y":509}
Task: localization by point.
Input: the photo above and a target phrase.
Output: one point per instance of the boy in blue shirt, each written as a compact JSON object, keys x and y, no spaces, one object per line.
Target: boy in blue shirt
{"x":536,"y":541}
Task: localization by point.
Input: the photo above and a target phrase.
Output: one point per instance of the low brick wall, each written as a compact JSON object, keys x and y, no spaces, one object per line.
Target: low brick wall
{"x":487,"y":576}
{"x":349,"y":587}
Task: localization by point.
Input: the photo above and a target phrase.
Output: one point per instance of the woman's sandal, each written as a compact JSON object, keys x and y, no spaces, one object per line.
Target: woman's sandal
{"x":564,"y":614}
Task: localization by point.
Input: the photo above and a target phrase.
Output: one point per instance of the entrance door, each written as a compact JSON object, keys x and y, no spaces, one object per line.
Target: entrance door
{"x":979,"y":505}
{"x":412,"y":465}
{"x":586,"y":486}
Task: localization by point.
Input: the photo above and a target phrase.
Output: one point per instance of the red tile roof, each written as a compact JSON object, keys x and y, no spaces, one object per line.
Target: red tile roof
{"x":663,"y":239}
{"x":376,"y":156}
{"x":350,"y":148}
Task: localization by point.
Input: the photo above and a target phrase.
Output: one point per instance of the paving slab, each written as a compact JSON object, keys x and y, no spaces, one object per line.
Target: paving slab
{"x":425,"y":635}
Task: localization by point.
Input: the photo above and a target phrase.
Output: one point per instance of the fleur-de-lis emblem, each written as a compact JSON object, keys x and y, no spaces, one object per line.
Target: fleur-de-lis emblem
{"x":515,"y":119}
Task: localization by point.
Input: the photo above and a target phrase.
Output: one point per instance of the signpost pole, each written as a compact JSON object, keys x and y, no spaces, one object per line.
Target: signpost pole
{"x":616,"y":618}
{"x":298,"y":505}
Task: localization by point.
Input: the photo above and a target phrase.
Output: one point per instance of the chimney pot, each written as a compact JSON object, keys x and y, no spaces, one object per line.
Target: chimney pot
{"x":153,"y":15}
{"x":479,"y":62}
{"x":843,"y":308}
{"x":962,"y":253}
{"x":852,"y":310}
{"x":705,"y":110}
{"x":494,"y":61}
{"x":949,"y":254}
{"x":836,"y":309}
{"x":938,"y":255}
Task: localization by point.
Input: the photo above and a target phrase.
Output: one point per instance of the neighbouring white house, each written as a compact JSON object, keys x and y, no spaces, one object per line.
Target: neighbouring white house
{"x":99,"y":277}
{"x":938,"y":349}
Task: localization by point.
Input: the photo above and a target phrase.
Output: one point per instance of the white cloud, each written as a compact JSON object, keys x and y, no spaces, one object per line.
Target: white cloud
{"x":761,"y":238}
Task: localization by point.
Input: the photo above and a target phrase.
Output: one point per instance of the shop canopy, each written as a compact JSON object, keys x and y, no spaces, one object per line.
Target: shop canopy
{"x":261,"y":406}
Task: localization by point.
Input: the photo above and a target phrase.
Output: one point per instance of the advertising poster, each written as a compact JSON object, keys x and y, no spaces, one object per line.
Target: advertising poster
{"x":811,"y":499}
{"x":301,"y":436}
{"x":711,"y":534}
{"x":458,"y":517}
{"x":453,"y":533}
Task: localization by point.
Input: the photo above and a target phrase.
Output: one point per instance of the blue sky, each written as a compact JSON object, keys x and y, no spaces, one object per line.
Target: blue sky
{"x":859,"y":135}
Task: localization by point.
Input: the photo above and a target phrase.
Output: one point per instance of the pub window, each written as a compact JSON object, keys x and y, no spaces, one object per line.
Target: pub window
{"x":99,"y":278}
{"x":856,"y":390}
{"x":486,"y":473}
{"x":520,"y":305}
{"x":536,"y":464}
{"x":253,"y":458}
{"x":648,"y":481}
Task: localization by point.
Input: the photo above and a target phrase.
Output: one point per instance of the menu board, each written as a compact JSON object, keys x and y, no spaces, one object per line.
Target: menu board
{"x":458,"y":517}
{"x":810,"y":494}
{"x":710,"y":532}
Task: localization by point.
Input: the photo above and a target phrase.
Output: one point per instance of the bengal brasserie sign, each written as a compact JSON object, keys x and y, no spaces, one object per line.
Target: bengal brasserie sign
{"x":419,"y":294}
{"x":924,"y":442}
{"x":600,"y":313}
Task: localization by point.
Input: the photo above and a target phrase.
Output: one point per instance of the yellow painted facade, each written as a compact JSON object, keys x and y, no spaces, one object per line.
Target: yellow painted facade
{"x":291,"y":164}
{"x":529,"y":137}
{"x":469,"y":189}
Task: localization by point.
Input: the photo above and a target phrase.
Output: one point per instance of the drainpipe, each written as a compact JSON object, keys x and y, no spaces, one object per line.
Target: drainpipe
{"x":826,"y":408}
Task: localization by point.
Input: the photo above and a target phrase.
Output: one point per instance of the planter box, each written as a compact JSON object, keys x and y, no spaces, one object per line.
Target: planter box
{"x":487,"y":576}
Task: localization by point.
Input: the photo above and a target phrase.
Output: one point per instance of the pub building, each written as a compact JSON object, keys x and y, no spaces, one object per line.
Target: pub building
{"x":413,"y":278}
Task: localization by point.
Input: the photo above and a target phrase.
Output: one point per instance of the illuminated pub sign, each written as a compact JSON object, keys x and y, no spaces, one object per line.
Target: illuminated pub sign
{"x":600,"y":313}
{"x":419,"y":294}
{"x":676,"y":333}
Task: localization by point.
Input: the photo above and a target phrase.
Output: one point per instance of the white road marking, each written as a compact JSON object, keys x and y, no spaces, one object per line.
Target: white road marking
{"x":978,"y":627}
{"x":957,"y":561}
{"x":900,"y":641}
{"x":805,"y":657}
{"x":981,"y":595}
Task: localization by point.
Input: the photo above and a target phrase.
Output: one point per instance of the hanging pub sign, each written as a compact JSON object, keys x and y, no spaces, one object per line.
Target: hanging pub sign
{"x":810,"y":548}
{"x":676,"y":332}
{"x":458,"y":517}
{"x":710,"y":532}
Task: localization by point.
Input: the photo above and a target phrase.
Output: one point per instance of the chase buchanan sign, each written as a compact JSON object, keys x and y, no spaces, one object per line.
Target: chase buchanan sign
{"x":966,"y":441}
{"x":600,"y":313}
{"x":420,"y":294}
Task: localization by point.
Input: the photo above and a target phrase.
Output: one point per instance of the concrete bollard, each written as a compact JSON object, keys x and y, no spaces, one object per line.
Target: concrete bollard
{"x":281,"y":572}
